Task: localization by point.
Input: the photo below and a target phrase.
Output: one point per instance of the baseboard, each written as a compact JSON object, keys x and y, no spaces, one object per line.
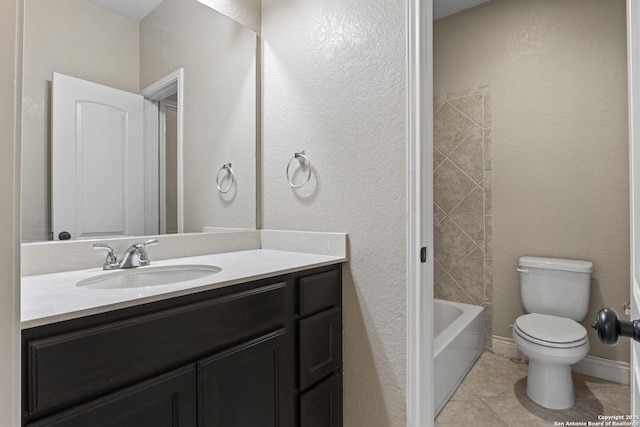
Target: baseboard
{"x":610,"y":370}
{"x":505,"y":347}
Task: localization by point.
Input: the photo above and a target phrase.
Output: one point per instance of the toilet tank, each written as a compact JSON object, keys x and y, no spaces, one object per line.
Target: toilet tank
{"x":554,"y":286}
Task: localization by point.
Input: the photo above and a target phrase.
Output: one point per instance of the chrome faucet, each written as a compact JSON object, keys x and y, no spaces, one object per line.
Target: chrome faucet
{"x":134,"y":256}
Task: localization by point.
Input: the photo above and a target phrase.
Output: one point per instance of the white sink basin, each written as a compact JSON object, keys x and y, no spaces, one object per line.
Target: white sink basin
{"x":147,"y":276}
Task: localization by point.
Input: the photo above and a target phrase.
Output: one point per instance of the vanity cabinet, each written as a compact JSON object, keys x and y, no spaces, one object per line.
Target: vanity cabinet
{"x":319,"y":325}
{"x":263,"y":353}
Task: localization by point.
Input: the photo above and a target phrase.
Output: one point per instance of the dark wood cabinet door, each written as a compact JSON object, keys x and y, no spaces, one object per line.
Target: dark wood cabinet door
{"x":165,"y":401}
{"x":322,"y":405}
{"x":320,"y":346}
{"x":248,"y":385}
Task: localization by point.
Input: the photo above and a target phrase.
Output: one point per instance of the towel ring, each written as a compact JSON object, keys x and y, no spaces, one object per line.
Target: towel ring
{"x":301,"y":158}
{"x":226,"y":167}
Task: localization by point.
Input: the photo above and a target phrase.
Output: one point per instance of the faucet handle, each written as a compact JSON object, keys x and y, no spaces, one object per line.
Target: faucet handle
{"x":144,"y":257}
{"x":150,"y":243}
{"x":110,"y":261}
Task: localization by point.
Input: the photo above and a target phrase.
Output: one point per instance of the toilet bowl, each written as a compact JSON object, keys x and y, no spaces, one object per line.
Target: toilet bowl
{"x":555,"y":293}
{"x":552,"y":345}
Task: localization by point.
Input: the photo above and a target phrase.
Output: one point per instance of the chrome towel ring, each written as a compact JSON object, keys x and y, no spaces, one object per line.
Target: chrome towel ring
{"x":229,"y":172}
{"x":302,"y":159}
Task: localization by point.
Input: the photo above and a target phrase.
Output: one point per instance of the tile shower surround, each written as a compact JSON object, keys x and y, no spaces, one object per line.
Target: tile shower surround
{"x":462,"y":198}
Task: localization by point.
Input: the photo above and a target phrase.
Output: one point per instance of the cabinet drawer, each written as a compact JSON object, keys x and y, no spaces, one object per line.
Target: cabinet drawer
{"x":164,"y":401}
{"x":322,"y":405}
{"x":320,"y":346}
{"x":318,"y":292}
{"x":70,"y":368}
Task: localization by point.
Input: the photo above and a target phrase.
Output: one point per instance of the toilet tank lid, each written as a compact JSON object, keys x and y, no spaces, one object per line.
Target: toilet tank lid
{"x":556,"y":264}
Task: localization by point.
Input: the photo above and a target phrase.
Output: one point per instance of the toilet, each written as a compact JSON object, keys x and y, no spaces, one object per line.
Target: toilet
{"x":555,"y":294}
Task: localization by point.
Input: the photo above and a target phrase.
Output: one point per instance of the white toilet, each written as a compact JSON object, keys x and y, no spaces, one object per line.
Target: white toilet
{"x":555,"y":293}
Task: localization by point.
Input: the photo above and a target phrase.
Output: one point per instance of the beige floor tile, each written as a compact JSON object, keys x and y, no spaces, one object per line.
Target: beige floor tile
{"x":515,"y":411}
{"x":494,"y":393}
{"x":468,"y":413}
{"x":463,"y":393}
{"x":493,"y":376}
{"x":518,"y":409}
{"x":613,"y":400}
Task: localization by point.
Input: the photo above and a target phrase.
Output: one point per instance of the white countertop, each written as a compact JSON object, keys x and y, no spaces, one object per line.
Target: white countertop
{"x":54,"y":297}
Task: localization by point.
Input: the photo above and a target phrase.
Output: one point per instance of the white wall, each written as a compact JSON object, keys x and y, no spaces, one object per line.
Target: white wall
{"x":334,"y":81}
{"x":10,"y":33}
{"x":558,"y":76}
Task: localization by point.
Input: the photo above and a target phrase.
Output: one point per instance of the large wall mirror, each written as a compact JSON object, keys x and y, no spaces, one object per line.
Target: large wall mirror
{"x":194,"y":70}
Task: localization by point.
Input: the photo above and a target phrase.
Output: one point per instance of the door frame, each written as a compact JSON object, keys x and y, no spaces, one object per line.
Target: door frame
{"x":169,"y":85}
{"x":419,"y":379}
{"x":164,"y":106}
{"x":633,"y":90}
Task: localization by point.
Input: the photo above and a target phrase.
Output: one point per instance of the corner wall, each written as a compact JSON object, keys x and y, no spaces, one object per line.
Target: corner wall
{"x":334,"y":77}
{"x":246,"y":12}
{"x":10,"y":81}
{"x":559,"y":138}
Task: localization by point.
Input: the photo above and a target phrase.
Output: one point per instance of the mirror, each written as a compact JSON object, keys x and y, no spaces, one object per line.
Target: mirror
{"x":88,"y":41}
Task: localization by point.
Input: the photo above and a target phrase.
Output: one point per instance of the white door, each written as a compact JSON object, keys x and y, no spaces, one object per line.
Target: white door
{"x":633,"y":43}
{"x":97,"y":160}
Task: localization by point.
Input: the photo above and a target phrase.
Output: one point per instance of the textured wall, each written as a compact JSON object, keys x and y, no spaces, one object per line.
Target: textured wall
{"x":557,"y":71}
{"x":10,"y":16}
{"x":219,"y":59}
{"x":77,"y":38}
{"x":246,"y":12}
{"x":334,"y":85}
{"x":462,"y":198}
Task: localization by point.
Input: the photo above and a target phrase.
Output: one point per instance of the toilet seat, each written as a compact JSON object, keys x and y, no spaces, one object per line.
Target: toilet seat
{"x":550,"y":331}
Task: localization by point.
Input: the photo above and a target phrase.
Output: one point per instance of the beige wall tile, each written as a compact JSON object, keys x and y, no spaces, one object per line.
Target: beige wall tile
{"x":469,"y":215}
{"x":469,"y":275}
{"x":450,"y":126}
{"x":469,"y":155}
{"x":461,"y":236}
{"x":451,"y":244}
{"x":447,"y":289}
{"x":438,"y":158}
{"x":451,"y":186}
{"x":438,"y":214}
{"x":470,"y":106}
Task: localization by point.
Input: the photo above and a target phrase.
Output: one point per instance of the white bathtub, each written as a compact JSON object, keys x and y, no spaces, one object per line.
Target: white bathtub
{"x":459,"y":338}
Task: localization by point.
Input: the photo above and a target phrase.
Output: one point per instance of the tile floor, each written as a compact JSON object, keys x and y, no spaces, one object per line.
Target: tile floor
{"x":494,"y":394}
